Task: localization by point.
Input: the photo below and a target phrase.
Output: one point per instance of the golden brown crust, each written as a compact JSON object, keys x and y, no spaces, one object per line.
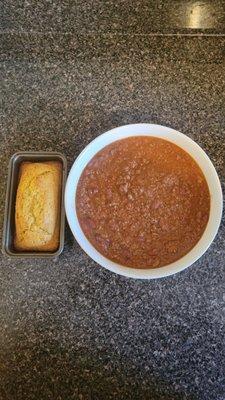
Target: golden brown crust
{"x":38,"y":206}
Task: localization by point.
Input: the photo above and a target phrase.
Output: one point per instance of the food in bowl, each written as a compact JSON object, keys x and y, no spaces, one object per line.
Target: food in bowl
{"x":143,"y":202}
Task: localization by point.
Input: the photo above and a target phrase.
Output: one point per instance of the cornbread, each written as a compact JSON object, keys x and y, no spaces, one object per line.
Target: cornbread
{"x":38,"y":206}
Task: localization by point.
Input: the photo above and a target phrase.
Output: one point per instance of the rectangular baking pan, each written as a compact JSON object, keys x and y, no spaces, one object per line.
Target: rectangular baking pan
{"x":12,"y":184}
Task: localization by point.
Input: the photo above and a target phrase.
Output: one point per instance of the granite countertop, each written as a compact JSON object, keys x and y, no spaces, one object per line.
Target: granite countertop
{"x":70,"y":329}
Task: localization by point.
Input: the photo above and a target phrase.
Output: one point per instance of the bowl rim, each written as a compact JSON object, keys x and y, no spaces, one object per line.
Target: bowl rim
{"x":174,"y":136}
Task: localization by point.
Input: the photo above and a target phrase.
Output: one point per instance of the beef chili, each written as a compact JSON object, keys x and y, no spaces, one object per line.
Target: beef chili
{"x":143,"y":202}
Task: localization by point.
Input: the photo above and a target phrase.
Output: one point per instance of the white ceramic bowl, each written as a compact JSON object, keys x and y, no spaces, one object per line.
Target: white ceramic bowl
{"x":173,"y":136}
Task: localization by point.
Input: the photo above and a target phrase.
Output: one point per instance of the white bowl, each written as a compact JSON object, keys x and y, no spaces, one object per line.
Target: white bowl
{"x":173,"y":136}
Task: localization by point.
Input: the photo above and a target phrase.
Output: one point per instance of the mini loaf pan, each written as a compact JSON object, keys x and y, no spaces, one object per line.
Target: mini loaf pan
{"x":12,"y":184}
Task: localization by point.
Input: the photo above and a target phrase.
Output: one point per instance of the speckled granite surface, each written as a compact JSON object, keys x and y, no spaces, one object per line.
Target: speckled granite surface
{"x":69,"y":329}
{"x":141,"y":16}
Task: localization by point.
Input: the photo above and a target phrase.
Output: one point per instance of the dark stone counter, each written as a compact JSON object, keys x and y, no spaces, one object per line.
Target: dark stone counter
{"x":104,"y":16}
{"x":70,"y":329}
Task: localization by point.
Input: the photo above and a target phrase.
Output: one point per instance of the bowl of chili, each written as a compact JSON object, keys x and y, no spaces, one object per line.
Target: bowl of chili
{"x":132,"y":192}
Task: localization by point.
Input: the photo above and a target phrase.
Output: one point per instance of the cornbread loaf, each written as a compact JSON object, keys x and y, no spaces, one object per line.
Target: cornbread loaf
{"x":38,"y":206}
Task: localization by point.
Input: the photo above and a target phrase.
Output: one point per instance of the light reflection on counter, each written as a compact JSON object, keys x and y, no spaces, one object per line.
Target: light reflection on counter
{"x":200,"y":15}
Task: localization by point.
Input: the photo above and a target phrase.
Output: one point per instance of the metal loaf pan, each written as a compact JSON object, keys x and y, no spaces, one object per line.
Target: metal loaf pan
{"x":12,"y":184}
